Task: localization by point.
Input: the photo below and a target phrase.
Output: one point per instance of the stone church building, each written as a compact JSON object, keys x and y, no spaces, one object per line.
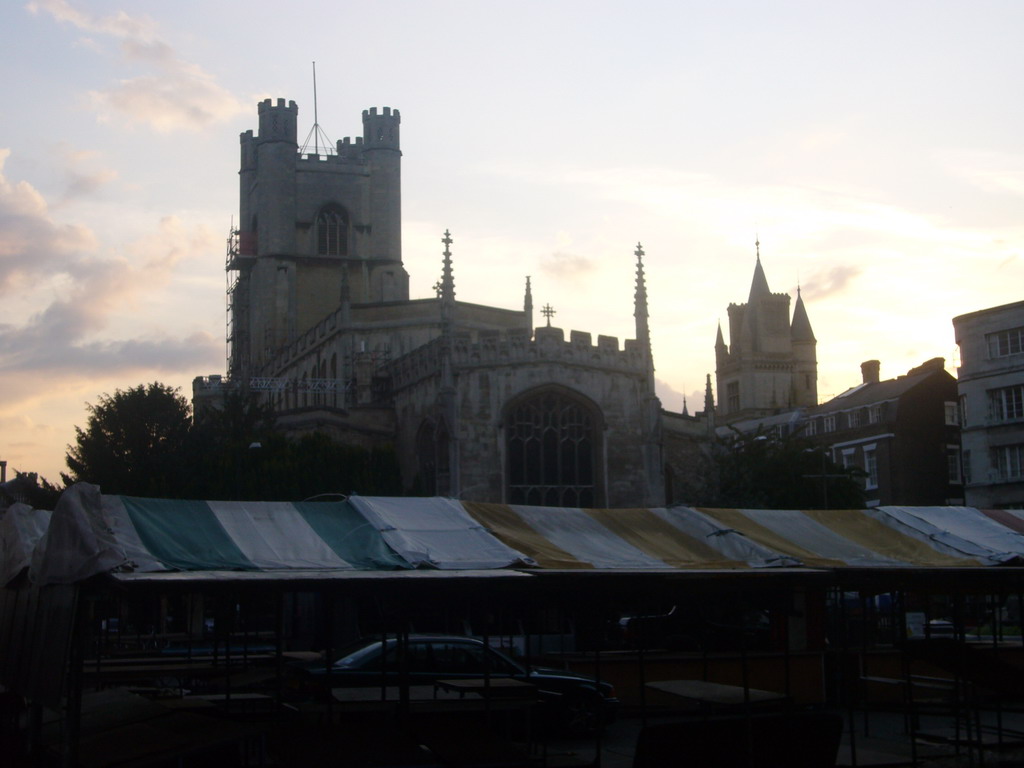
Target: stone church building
{"x":477,"y":401}
{"x":770,"y":364}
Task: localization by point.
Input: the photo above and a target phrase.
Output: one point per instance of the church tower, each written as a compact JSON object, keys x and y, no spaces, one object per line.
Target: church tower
{"x":770,"y":364}
{"x":311,"y":226}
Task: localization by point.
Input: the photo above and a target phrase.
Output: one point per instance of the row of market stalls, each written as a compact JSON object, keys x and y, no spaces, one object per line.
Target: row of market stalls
{"x":62,"y":570}
{"x":90,"y":533}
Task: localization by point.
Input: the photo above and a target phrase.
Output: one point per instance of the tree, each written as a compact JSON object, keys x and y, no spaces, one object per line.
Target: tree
{"x":142,"y":442}
{"x":135,"y":442}
{"x":763,"y":471}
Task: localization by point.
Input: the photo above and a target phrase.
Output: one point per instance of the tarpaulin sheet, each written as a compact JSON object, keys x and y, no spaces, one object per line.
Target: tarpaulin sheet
{"x":21,"y":527}
{"x":836,"y":538}
{"x":958,"y":531}
{"x":91,"y":533}
{"x":436,"y":532}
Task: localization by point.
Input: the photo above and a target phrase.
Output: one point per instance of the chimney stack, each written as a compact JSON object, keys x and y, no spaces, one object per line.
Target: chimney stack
{"x":869,"y":371}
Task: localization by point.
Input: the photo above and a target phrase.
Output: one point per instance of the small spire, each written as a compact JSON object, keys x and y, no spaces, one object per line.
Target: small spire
{"x":447,"y":291}
{"x":528,"y":306}
{"x":757,"y":246}
{"x":643,"y":332}
{"x":709,"y":406}
{"x":685,"y":411}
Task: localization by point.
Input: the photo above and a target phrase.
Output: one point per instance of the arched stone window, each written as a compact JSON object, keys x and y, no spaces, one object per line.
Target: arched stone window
{"x":553,"y":446}
{"x":332,"y":231}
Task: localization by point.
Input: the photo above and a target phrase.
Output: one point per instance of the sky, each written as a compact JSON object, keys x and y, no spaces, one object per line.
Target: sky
{"x":873,"y":148}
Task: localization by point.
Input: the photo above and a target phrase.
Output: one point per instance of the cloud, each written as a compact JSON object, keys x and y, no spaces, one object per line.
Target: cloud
{"x":85,"y":296}
{"x":32,"y":245}
{"x":83,"y":179}
{"x":830,"y":282}
{"x":175,"y":95}
{"x":562,"y":266}
{"x":991,"y":172}
{"x":119,"y":24}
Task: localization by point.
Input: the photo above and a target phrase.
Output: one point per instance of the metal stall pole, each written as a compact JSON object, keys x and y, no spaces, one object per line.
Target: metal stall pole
{"x":845,"y":692}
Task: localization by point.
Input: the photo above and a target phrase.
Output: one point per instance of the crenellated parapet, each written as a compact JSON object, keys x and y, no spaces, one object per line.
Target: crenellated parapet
{"x":213,"y":383}
{"x":381,"y":129}
{"x":497,"y":349}
{"x":278,"y":122}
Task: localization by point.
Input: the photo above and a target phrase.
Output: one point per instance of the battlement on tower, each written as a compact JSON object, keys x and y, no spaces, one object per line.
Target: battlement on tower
{"x":278,"y":122}
{"x":381,"y":130}
{"x":515,"y":347}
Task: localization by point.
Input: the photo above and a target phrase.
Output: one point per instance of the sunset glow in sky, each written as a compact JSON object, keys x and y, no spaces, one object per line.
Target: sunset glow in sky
{"x":874,"y":148}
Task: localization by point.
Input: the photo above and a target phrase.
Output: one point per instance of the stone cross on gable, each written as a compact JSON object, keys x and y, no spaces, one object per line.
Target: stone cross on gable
{"x":447,"y":240}
{"x":548,"y":311}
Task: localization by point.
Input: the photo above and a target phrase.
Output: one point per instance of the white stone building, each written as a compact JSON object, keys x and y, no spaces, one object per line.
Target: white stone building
{"x":991,"y":390}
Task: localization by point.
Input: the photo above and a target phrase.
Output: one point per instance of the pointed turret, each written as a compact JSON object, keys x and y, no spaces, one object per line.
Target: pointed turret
{"x":720,"y":339}
{"x":759,"y":285}
{"x":805,"y":356}
{"x":800,"y":330}
{"x":446,"y":397}
{"x":447,"y":291}
{"x":709,"y":406}
{"x":528,"y":306}
{"x":643,"y":333}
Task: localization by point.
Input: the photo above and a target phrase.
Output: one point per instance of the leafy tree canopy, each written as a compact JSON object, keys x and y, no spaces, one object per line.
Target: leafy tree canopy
{"x":763,"y":471}
{"x":142,"y":442}
{"x":134,"y":442}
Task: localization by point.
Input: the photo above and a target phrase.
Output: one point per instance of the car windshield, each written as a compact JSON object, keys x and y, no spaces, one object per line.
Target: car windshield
{"x":436,"y":656}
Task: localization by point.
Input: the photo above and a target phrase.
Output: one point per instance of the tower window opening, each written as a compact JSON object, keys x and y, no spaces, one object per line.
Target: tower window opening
{"x":332,"y":232}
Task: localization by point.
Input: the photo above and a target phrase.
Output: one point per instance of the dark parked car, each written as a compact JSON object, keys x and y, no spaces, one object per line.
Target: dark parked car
{"x":578,"y":704}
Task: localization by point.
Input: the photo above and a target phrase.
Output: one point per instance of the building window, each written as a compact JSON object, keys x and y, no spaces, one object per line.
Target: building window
{"x":953,"y":464}
{"x":1005,"y":343}
{"x":847,"y":458}
{"x":963,"y":411}
{"x":871,"y":468}
{"x":732,"y":390}
{"x":952,"y":417}
{"x":855,"y":418}
{"x":1008,"y":462}
{"x":552,"y":447}
{"x":966,"y":463}
{"x":1006,"y":403}
{"x":874,"y":414}
{"x":332,"y":232}
{"x":829,"y":423}
{"x":811,"y":427}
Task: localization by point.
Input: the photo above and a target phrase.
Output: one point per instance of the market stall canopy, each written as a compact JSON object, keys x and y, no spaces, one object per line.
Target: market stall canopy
{"x":21,"y":528}
{"x":91,"y":533}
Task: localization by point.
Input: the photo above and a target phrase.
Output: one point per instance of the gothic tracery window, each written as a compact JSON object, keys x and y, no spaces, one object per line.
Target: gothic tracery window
{"x":552,"y":449}
{"x":332,"y":232}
